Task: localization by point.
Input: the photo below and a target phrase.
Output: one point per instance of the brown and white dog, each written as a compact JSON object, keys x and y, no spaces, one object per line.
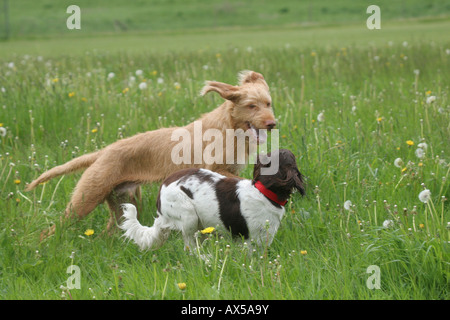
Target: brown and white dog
{"x":116,"y":172}
{"x":193,"y":199}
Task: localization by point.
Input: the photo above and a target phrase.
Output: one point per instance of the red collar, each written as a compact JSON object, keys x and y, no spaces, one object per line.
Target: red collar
{"x":269,"y":194}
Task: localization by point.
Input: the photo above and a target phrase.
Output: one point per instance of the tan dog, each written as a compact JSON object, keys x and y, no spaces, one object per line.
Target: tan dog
{"x":115,"y":173}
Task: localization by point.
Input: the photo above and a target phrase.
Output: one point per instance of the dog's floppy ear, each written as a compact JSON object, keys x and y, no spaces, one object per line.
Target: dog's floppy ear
{"x":298,"y":179}
{"x":258,"y":165}
{"x":248,"y":76}
{"x":226,"y":91}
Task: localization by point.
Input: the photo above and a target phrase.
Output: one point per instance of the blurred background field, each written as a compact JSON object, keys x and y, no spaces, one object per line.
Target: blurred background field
{"x":349,"y":103}
{"x":201,"y":25}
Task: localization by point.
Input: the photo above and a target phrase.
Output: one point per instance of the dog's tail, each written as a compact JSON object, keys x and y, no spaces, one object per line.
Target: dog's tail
{"x":70,"y":166}
{"x":145,"y":237}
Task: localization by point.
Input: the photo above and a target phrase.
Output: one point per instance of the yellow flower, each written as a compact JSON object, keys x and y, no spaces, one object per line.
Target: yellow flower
{"x":379,"y":119}
{"x":421,"y":226}
{"x":55,"y":80}
{"x":207,"y":230}
{"x":404,"y":169}
{"x":182,"y":285}
{"x":83,"y":99}
{"x":154,"y":73}
{"x":89,"y":232}
{"x":17,"y":181}
{"x":71,"y":94}
{"x":303,"y":252}
{"x":1,"y":124}
{"x":94,"y":130}
{"x":428,"y":92}
{"x":159,"y":94}
{"x":420,"y":164}
{"x":125,"y":90}
{"x":218,"y":55}
{"x":410,"y":142}
{"x":313,"y":54}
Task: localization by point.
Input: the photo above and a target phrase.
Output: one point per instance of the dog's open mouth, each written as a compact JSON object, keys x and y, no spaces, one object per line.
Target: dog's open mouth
{"x":260,"y":135}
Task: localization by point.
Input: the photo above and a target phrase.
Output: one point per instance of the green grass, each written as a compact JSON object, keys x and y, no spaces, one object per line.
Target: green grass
{"x":372,"y":100}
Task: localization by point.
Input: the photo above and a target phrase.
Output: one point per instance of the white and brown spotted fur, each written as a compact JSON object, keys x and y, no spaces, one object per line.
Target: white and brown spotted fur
{"x":193,"y":199}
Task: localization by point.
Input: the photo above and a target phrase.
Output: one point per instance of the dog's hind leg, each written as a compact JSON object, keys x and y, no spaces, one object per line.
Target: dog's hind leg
{"x":91,"y":190}
{"x":127,"y":192}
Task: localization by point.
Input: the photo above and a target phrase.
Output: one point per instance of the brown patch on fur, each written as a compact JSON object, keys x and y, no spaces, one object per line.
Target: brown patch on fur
{"x":230,"y":207}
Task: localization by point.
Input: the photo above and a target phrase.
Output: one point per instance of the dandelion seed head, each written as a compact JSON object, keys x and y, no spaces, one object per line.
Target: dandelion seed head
{"x":321,"y":117}
{"x":388,"y":224}
{"x":347,"y":205}
{"x":423,"y":145}
{"x":425,"y":196}
{"x":420,"y":153}
{"x":143,"y":85}
{"x":398,"y":163}
{"x":431,"y":99}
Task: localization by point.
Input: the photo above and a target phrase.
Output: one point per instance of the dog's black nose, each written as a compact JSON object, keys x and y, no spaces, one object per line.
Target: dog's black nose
{"x":270,"y":124}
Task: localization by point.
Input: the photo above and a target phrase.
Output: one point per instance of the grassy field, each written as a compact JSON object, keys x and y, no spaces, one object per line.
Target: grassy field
{"x":348,"y":105}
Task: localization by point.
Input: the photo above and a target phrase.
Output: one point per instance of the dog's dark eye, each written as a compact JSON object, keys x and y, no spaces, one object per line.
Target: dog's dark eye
{"x":268,"y":104}
{"x":252,"y":106}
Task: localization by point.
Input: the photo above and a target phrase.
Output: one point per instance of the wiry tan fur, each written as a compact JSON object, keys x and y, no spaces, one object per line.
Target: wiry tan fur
{"x":115,"y":172}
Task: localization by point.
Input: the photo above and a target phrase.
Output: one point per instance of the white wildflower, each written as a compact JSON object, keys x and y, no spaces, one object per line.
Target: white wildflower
{"x":347,"y":205}
{"x":420,"y":153}
{"x":425,"y":195}
{"x":431,"y":99}
{"x":398,"y":163}
{"x":139,"y":72}
{"x":388,"y":224}
{"x":111,"y":75}
{"x":160,"y":80}
{"x":423,"y":145}
{"x":143,"y":85}
{"x":321,"y":117}
{"x":2,"y":132}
